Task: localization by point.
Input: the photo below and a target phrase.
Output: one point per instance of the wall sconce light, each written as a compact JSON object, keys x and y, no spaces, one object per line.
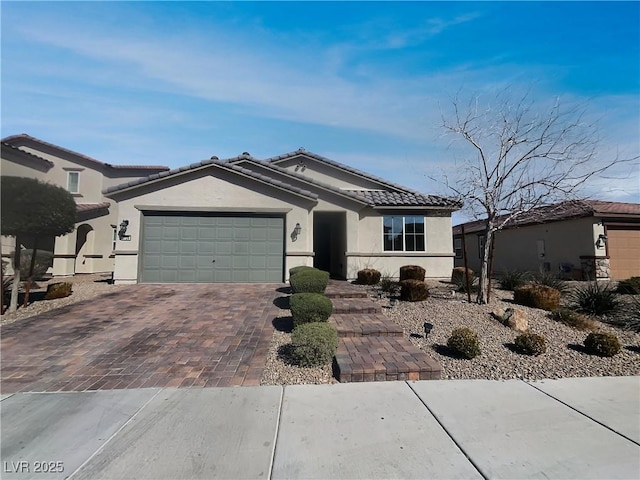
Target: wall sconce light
{"x":602,"y":240}
{"x":122,"y":233}
{"x":296,"y":231}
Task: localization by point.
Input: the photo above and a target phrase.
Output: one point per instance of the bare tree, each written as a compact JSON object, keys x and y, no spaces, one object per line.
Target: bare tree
{"x":522,"y":157}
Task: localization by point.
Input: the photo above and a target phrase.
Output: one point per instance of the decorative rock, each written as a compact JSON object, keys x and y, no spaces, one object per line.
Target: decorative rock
{"x":412,"y":272}
{"x":513,"y":318}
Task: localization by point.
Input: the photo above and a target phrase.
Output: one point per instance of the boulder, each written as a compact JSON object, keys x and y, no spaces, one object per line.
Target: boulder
{"x":513,"y":318}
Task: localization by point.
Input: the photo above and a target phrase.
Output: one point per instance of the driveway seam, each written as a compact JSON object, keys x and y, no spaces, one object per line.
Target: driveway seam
{"x":276,"y":434}
{"x":582,"y":413}
{"x":101,"y":447}
{"x":477,"y":467}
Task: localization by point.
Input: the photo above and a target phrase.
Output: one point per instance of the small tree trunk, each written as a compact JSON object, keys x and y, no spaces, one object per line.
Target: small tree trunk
{"x":466,"y":263}
{"x":30,"y":277}
{"x":13,"y":305}
{"x":483,"y":285}
{"x":493,"y":247}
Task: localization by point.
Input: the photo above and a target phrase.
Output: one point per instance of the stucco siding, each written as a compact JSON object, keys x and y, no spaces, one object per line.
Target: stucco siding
{"x":529,"y":248}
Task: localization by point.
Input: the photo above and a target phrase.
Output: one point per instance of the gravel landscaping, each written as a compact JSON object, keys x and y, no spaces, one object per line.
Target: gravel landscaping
{"x":85,"y":287}
{"x":446,"y":310}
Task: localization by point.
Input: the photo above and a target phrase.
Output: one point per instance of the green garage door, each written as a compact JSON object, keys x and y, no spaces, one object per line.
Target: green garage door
{"x":211,"y":248}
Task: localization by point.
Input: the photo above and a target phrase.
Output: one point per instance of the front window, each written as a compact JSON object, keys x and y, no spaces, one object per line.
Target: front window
{"x":403,"y":234}
{"x":481,"y":241}
{"x":73,"y":182}
{"x":457,"y":247}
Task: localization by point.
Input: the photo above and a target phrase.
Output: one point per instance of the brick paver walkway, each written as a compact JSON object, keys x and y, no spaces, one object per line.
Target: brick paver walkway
{"x":144,"y":336}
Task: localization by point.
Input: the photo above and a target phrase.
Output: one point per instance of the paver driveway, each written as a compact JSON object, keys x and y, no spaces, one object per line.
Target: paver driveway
{"x":144,"y":336}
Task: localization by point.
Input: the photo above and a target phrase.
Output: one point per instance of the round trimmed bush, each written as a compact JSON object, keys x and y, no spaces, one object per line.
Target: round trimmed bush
{"x":464,"y":343}
{"x":298,"y":269}
{"x":310,"y":308}
{"x":413,"y":290}
{"x":412,"y":272}
{"x":58,"y":290}
{"x":531,"y":344}
{"x":314,"y":344}
{"x":537,"y":296}
{"x":458,"y":277}
{"x":602,"y":344}
{"x":309,"y":281}
{"x":368,"y":276}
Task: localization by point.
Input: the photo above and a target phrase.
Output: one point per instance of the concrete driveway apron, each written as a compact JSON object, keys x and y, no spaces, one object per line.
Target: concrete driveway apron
{"x":176,"y":335}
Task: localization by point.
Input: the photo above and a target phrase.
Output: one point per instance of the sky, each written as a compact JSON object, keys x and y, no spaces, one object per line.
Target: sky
{"x":363,"y":83}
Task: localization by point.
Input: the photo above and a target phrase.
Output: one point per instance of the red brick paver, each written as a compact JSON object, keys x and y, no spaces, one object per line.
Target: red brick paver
{"x":144,"y":336}
{"x":360,"y":325}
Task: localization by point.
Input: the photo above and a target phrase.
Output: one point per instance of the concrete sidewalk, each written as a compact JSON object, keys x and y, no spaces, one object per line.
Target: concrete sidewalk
{"x":571,"y":428}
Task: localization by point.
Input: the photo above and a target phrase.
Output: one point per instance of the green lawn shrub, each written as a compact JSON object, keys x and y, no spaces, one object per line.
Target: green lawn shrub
{"x":550,"y":280}
{"x":313,"y":344}
{"x":464,"y":343}
{"x":413,"y":290}
{"x":368,"y":276}
{"x":595,"y":298}
{"x":310,"y":308}
{"x":630,"y":285}
{"x":301,"y":268}
{"x":512,"y":279}
{"x":412,"y":272}
{"x":530,"y":344}
{"x":537,"y":296}
{"x":309,"y":281}
{"x":602,"y":344}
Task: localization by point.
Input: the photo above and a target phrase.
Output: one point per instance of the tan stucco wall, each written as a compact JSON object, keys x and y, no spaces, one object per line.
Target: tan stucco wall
{"x":517,"y":248}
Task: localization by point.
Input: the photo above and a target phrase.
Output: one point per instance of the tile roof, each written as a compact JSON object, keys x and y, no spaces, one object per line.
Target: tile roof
{"x":397,"y":196}
{"x":385,"y":198}
{"x":23,"y":138}
{"x":90,"y":207}
{"x":222,"y":164}
{"x":29,"y":155}
{"x":328,"y":161}
{"x":562,"y":211}
{"x":302,"y":178}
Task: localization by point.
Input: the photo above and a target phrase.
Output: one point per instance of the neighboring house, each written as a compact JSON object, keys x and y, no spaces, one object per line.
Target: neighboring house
{"x":246,"y":220}
{"x":89,"y":248}
{"x":581,"y":239}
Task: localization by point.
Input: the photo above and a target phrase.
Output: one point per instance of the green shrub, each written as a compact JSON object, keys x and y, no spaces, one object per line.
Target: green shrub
{"x":413,"y":290}
{"x":602,"y":344}
{"x":58,"y":290}
{"x":461,"y":284}
{"x":310,"y":308}
{"x":44,"y":260}
{"x":630,"y":285}
{"x":550,"y":280}
{"x":531,"y":344}
{"x":368,"y":276}
{"x":595,"y":298}
{"x":412,"y":272}
{"x":309,"y":281}
{"x":464,"y":342}
{"x":389,"y":285}
{"x":313,"y":344}
{"x":301,"y":268}
{"x":574,"y":319}
{"x":537,"y":296}
{"x":512,"y":279}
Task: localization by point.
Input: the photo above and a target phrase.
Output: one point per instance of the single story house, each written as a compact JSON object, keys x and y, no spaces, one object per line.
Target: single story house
{"x":89,"y":248}
{"x":580,"y":239}
{"x":249,"y":220}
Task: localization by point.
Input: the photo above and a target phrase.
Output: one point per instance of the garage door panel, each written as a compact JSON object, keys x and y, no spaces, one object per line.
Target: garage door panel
{"x":206,"y":248}
{"x":623,"y":247}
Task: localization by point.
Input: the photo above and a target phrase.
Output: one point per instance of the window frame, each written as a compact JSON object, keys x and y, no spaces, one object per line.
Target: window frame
{"x":482,"y":239}
{"x":457,"y":249}
{"x":404,"y":233}
{"x":77,"y":189}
